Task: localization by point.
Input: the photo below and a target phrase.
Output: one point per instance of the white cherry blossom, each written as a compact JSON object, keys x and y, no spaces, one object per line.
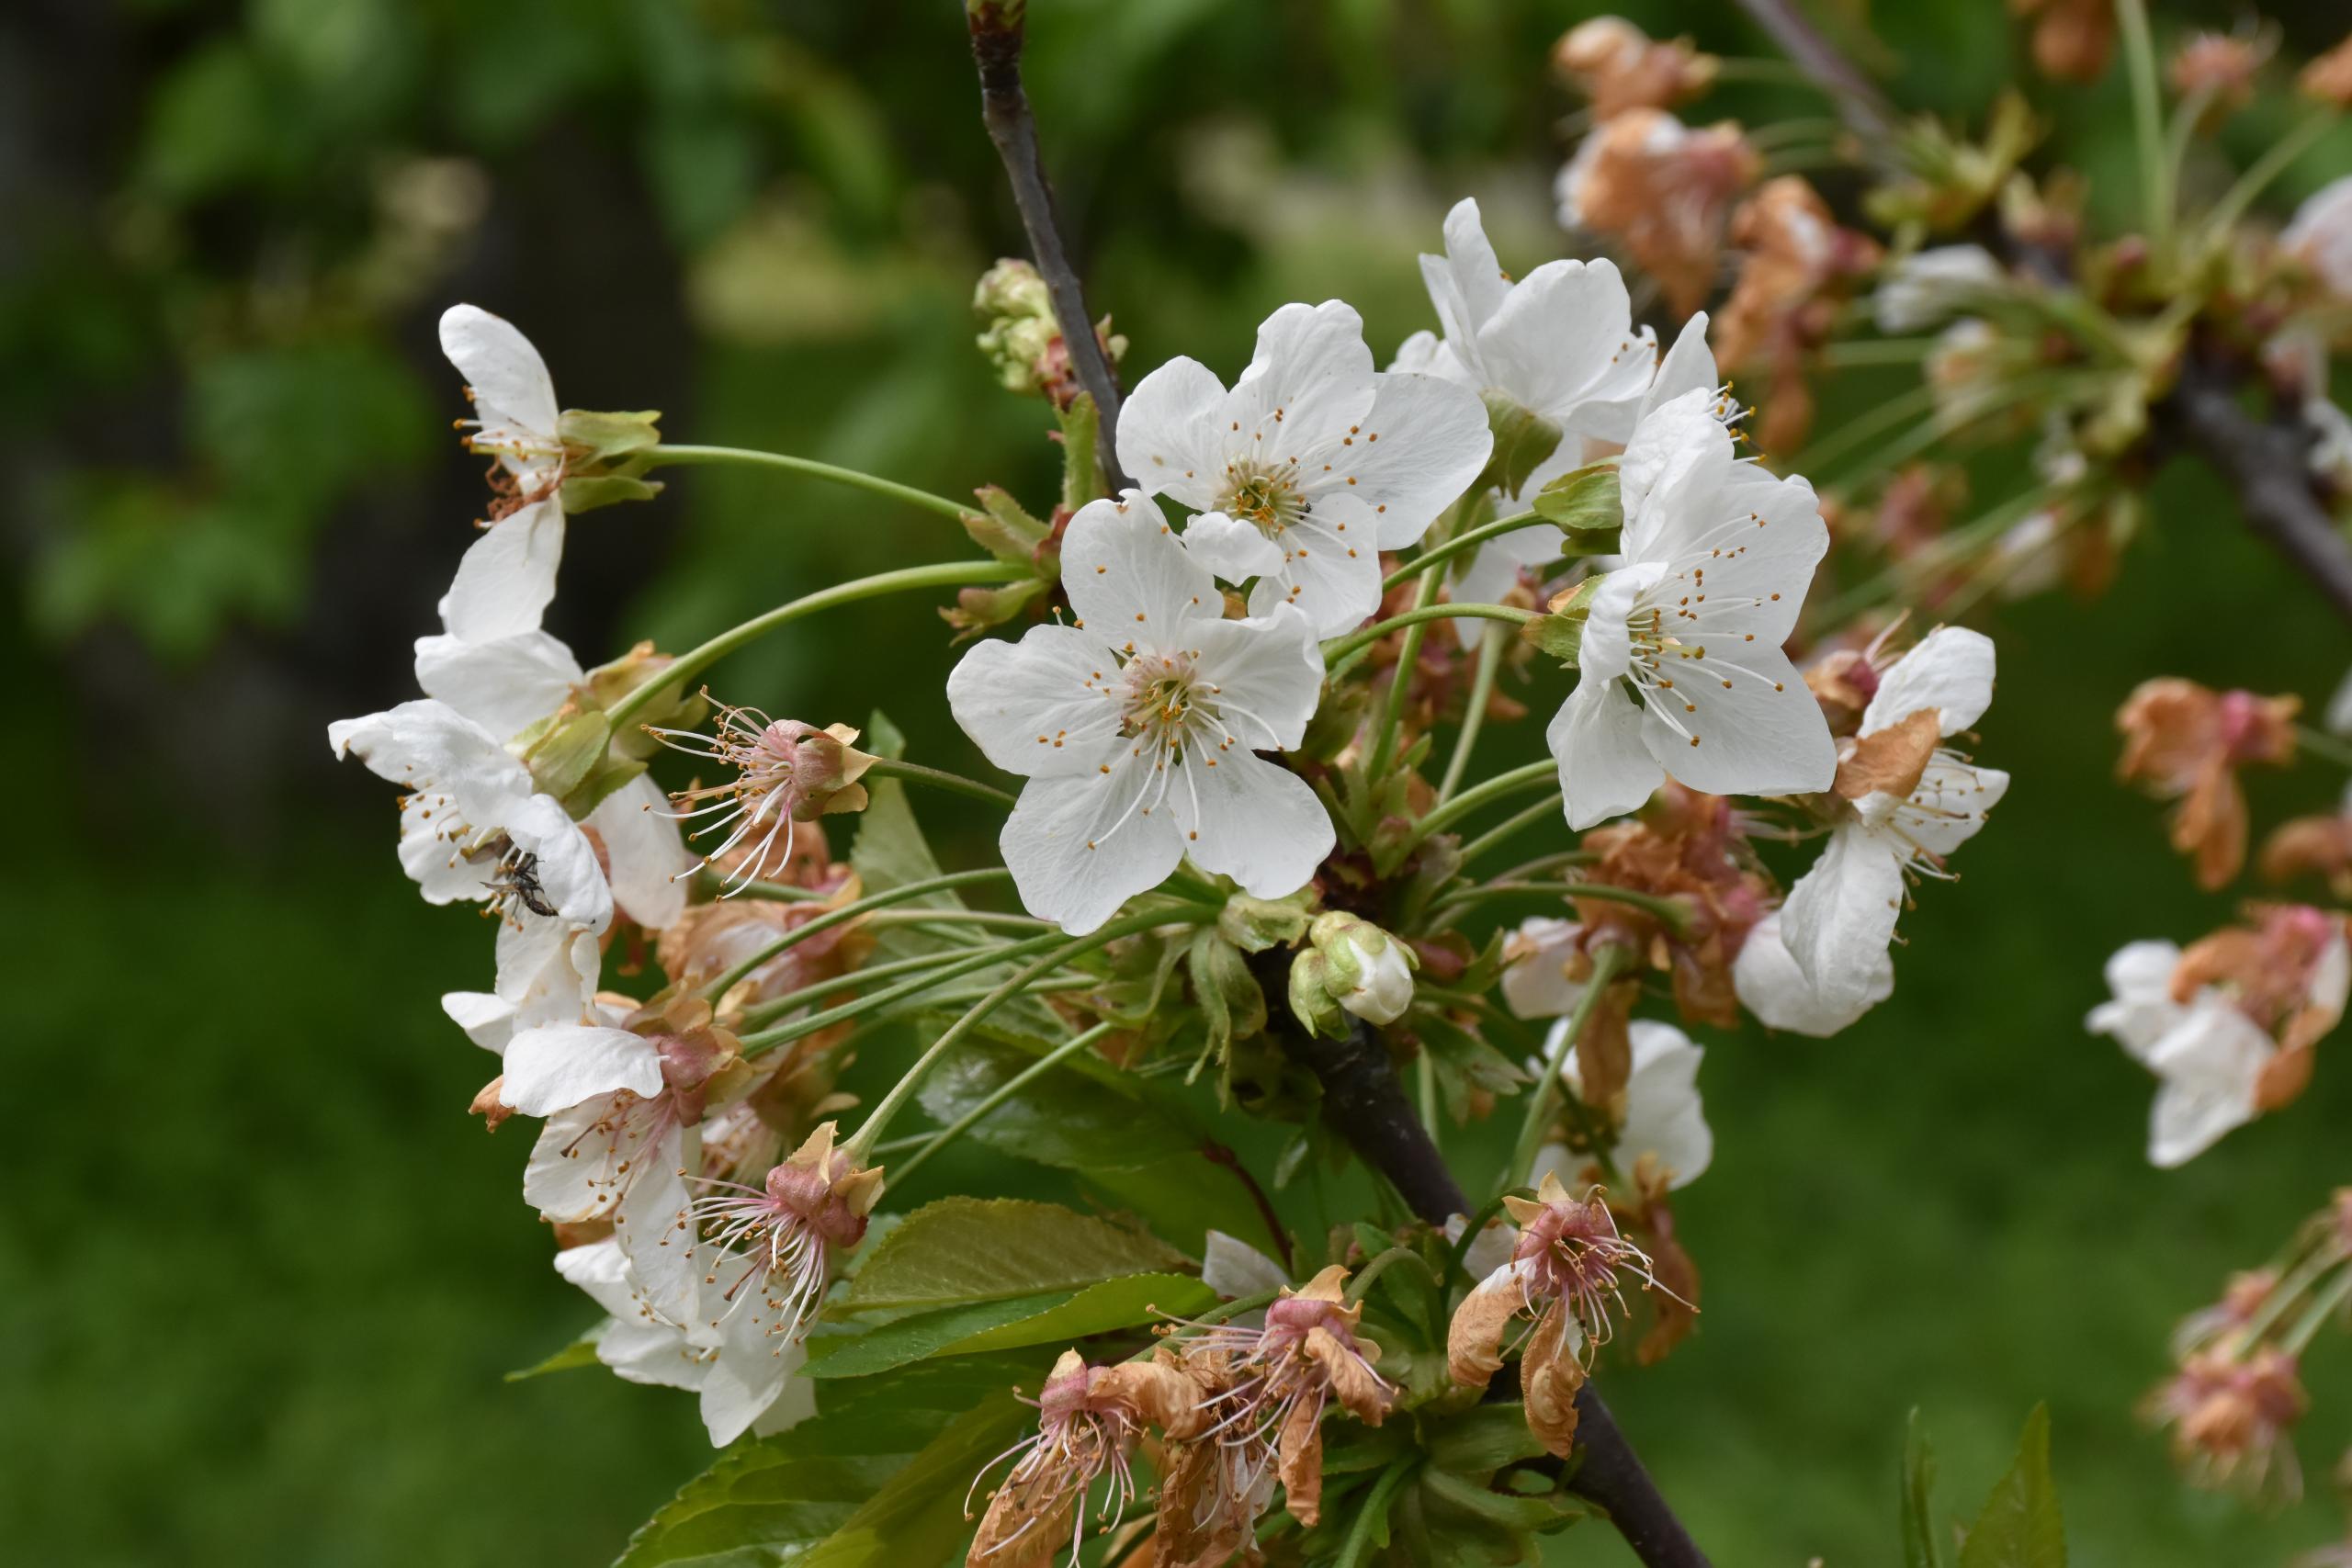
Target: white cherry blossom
{"x":746,"y":1377}
{"x":1139,"y":727}
{"x":1768,"y":984}
{"x":1840,"y":916}
{"x":1681,"y":660}
{"x":1664,"y":1117}
{"x":1309,"y":467}
{"x":1930,"y":287}
{"x":2209,"y":1054}
{"x":507,"y":576}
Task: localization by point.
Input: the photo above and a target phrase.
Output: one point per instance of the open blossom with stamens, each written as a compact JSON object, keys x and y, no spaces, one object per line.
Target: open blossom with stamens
{"x":508,"y":575}
{"x":2230,"y":1418}
{"x":1620,"y":67}
{"x":1089,"y":1419}
{"x":1664,"y":189}
{"x":746,"y":1379}
{"x":1309,"y":467}
{"x":1681,"y":659}
{"x":1274,"y":1380}
{"x":473,"y":828}
{"x":2186,"y":742}
{"x":781,"y":773}
{"x":1664,"y":1127}
{"x":1139,"y":727}
{"x":1565,"y":1274}
{"x":786,"y":1233}
{"x":1559,"y":342}
{"x":624,"y":1100}
{"x":1901,"y":802}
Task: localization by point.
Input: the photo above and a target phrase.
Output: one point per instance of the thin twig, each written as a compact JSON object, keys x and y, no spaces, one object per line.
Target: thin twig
{"x":1859,"y":102}
{"x":997,"y":28}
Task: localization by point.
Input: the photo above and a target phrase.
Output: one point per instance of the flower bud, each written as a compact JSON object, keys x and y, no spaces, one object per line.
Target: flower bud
{"x":1365,"y":971}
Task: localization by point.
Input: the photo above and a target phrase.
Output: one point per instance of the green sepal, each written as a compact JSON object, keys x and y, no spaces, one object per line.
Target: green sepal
{"x":593,"y":791}
{"x":1586,"y":499}
{"x":596,"y":438}
{"x":979,"y":609}
{"x":1004,"y":529}
{"x":1559,"y":631}
{"x":1232,"y":1003}
{"x":1523,"y":439}
{"x":580,"y":1351}
{"x":565,"y":749}
{"x":1254,"y":925}
{"x":585,"y":492}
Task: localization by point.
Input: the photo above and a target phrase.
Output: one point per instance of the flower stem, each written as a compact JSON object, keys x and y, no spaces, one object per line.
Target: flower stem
{"x":1474,"y":716}
{"x":1605,"y":964}
{"x":1337,"y":651}
{"x":1400,"y":685}
{"x":1500,"y":786}
{"x":938,"y":778}
{"x":694,"y":660}
{"x":1002,"y":1092}
{"x":879,"y":1121}
{"x":1672,"y":911}
{"x":1374,"y":1513}
{"x":1438,"y":555}
{"x":1512,"y":827}
{"x":962,"y":964}
{"x":2140,"y":58}
{"x":666,"y":456}
{"x":2319,"y":743}
{"x":846,"y":913}
{"x":2326,"y":1302}
{"x":2265,"y":169}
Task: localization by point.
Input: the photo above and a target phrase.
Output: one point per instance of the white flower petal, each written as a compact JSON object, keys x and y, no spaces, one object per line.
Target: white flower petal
{"x":1234,"y":1269}
{"x":2142,"y":1010}
{"x":752,"y":1374}
{"x":1017,"y":699}
{"x":506,"y":578}
{"x":1535,"y":981}
{"x":510,"y":380}
{"x":1467,"y":285}
{"x":656,"y":1230}
{"x":1664,"y":1117}
{"x":1334,"y":583}
{"x":1768,"y":984}
{"x":1426,"y":353}
{"x":1078,"y":848}
{"x":2211,"y":1064}
{"x":487,"y":1018}
{"x":1688,"y":367}
{"x":1423,"y":442}
{"x":570,"y":878}
{"x":1310,"y":380}
{"x":1950,"y":670}
{"x":585,"y":1158}
{"x":1596,"y":737}
{"x":648,"y":861}
{"x":1840,"y":915}
{"x":1949,"y":807}
{"x":1756,"y":727}
{"x":559,"y":1066}
{"x":1676,"y":439}
{"x":1169,"y":434}
{"x":1245,"y":818}
{"x":505,"y":684}
{"x":1235,"y":550}
{"x":1563,"y":345}
{"x":1264,"y":673}
{"x":1129,"y":578}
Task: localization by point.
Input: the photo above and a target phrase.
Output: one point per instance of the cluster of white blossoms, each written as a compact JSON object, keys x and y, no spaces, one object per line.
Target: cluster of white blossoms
{"x":1195,"y":691}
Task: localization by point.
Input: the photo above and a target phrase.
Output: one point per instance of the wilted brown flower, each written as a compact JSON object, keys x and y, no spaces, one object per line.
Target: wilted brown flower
{"x":2229,"y":1416}
{"x":2221,"y":66}
{"x":781,"y":773}
{"x":1564,"y":1273}
{"x":1088,"y":1421}
{"x":1276,"y":1381}
{"x":2289,"y":970}
{"x":2186,"y":742}
{"x":1691,"y":846}
{"x":2241,"y":1300}
{"x":1620,"y":67}
{"x":1665,"y":190}
{"x":2071,"y":39}
{"x":2328,"y":77}
{"x":2320,"y":846}
{"x":1794,"y":257}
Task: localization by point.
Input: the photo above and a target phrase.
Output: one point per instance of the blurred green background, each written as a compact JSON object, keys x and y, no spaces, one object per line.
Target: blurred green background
{"x":260,"y":1274}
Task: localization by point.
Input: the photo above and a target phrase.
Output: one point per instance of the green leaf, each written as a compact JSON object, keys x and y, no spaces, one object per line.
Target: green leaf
{"x":1586,"y":498}
{"x":579,"y":1352}
{"x":1522,"y":440}
{"x":1075,"y":1118}
{"x":1051,"y":1318}
{"x":1919,"y":1549}
{"x":833,"y":1479}
{"x":2021,"y":1527}
{"x":975,"y":1250}
{"x":919,"y":1516}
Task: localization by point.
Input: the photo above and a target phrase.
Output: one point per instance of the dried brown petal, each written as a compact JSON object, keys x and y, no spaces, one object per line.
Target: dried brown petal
{"x":1474,"y":1339}
{"x":1301,"y":1462}
{"x":1025,"y":1525}
{"x":1890,"y":761}
{"x":1550,"y":1372}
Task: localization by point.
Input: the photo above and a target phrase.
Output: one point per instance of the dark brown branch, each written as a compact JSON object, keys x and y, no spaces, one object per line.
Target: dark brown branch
{"x":1860,"y":103}
{"x":997,"y":27}
{"x":1363,"y":1103}
{"x":2268,"y":463}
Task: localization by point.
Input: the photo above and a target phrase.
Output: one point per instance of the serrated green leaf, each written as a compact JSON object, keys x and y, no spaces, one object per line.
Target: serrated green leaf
{"x":975,"y":1250}
{"x":919,"y":1516}
{"x":1920,"y":1548}
{"x":2021,"y":1526}
{"x":1051,"y":1318}
{"x":776,"y":1499}
{"x":1073,"y":1119}
{"x":1482,"y":1440}
{"x":920,"y":1335}
{"x":579,"y":1352}
{"x":1099,"y":1309}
